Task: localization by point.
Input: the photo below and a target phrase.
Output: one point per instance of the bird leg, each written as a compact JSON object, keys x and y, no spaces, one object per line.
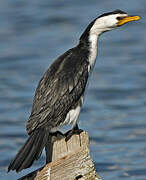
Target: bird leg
{"x":57,"y":134}
{"x":74,"y":130}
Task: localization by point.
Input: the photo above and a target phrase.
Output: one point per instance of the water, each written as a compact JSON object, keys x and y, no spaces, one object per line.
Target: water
{"x":32,"y":34}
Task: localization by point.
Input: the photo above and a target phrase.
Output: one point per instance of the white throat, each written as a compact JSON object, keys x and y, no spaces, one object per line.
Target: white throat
{"x":92,"y":51}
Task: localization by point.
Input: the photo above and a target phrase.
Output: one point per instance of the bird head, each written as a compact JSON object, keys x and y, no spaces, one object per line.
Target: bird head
{"x":111,"y":20}
{"x":106,"y":22}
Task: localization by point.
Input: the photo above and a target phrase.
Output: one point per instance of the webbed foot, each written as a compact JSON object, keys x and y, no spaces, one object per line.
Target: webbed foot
{"x":74,"y":130}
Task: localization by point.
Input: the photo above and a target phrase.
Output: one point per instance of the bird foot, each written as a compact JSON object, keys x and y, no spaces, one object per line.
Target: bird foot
{"x":75,"y":130}
{"x":57,"y":135}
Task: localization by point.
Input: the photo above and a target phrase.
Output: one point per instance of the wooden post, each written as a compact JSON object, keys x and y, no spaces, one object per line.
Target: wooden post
{"x":69,"y":161}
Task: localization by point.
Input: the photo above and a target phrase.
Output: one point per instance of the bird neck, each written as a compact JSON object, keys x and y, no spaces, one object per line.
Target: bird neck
{"x":90,"y":43}
{"x":93,"y":41}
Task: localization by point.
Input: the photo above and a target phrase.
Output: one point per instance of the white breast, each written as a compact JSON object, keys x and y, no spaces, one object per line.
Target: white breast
{"x":73,"y":114}
{"x":71,"y":117}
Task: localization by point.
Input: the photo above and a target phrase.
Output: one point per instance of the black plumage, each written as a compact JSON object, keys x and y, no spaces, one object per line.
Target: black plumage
{"x":59,"y":91}
{"x":30,"y":151}
{"x":117,"y":11}
{"x":60,"y":88}
{"x":59,"y":95}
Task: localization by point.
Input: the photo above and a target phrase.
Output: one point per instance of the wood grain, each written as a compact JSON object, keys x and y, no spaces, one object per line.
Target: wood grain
{"x":70,"y":160}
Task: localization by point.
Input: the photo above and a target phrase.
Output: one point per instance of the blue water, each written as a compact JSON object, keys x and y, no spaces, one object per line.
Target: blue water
{"x":32,"y":34}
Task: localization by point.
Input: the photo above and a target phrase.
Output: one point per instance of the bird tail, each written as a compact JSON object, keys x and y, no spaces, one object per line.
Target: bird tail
{"x":30,"y":151}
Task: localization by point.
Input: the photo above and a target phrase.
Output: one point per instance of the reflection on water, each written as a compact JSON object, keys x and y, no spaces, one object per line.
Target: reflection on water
{"x":32,"y":34}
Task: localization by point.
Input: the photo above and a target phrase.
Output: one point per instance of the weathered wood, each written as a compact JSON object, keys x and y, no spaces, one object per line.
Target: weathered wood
{"x":70,"y":161}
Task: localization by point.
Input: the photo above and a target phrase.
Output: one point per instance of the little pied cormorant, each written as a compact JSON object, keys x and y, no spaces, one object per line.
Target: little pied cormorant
{"x":60,"y":93}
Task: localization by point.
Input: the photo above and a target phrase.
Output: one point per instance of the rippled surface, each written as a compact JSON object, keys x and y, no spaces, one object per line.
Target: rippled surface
{"x":32,"y":34}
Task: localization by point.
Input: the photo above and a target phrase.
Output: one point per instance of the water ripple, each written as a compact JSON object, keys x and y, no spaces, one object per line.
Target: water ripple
{"x":32,"y":34}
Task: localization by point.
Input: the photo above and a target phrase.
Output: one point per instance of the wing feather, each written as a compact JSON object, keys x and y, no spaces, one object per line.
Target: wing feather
{"x":60,"y":87}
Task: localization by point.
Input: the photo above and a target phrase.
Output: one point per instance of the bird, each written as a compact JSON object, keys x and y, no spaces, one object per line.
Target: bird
{"x":60,"y":93}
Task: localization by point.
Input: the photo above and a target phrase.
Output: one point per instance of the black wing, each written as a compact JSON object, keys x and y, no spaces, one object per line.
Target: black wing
{"x":59,"y":89}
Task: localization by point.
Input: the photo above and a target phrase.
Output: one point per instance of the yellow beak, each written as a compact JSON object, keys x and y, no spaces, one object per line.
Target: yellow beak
{"x":127,"y":19}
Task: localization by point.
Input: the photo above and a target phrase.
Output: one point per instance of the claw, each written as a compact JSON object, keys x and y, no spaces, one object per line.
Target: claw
{"x":57,"y":134}
{"x":74,"y":130}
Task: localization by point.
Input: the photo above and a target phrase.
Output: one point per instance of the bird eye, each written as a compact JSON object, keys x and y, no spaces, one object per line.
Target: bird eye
{"x":120,"y":18}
